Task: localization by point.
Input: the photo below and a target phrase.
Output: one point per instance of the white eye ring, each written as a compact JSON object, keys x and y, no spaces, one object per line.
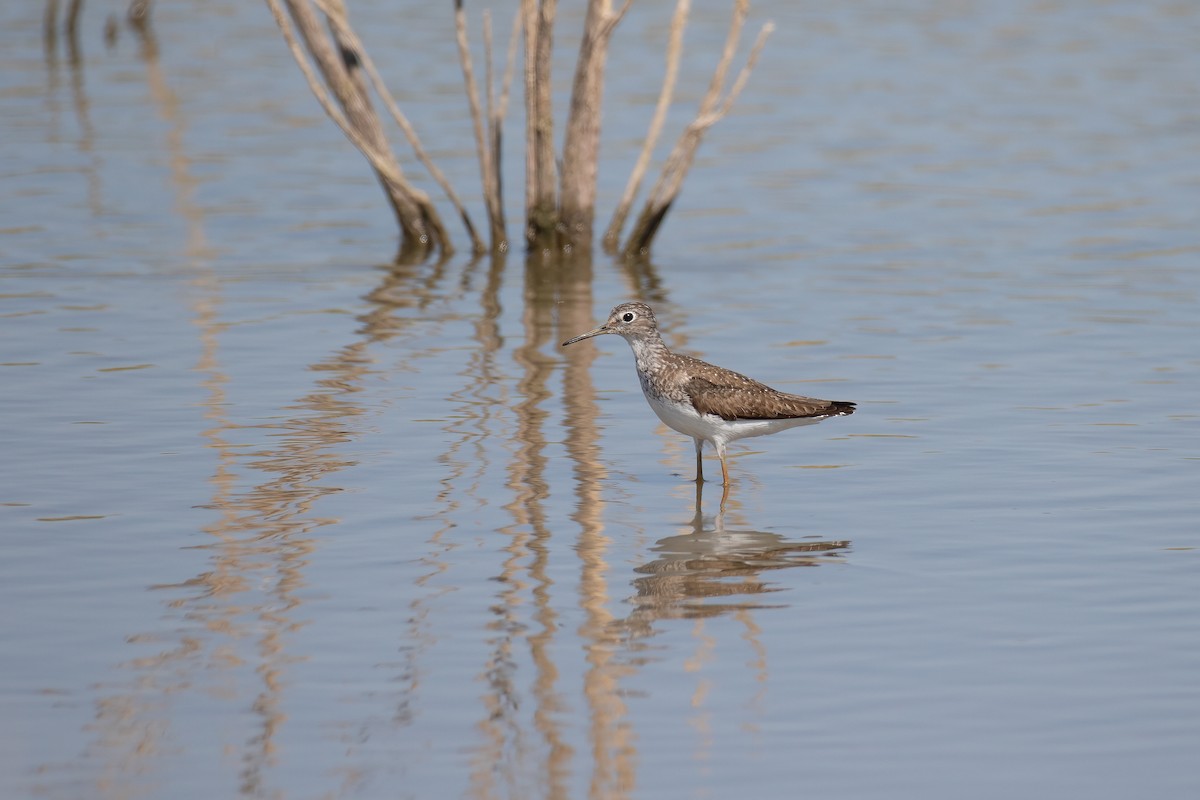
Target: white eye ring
{"x":628,"y":316}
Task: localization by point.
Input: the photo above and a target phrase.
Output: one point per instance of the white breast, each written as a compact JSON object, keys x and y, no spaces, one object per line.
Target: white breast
{"x":682,"y":417}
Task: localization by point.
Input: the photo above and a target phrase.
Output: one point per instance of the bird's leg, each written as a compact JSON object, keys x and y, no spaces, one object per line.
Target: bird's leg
{"x":724,"y":468}
{"x":699,"y":463}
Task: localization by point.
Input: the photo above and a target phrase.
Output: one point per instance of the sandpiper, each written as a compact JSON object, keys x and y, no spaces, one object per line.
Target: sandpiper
{"x":709,"y":403}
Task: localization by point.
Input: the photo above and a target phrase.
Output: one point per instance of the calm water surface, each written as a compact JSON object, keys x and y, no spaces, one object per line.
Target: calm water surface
{"x":283,"y":520}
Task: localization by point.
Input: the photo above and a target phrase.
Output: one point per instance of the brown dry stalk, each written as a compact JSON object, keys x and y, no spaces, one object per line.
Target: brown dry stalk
{"x":322,"y":95}
{"x":360,"y":118}
{"x":493,"y":193}
{"x":743,"y":75}
{"x":489,"y":79}
{"x":541,"y":212}
{"x":422,"y":230}
{"x":712,"y":109}
{"x":340,"y":23}
{"x":497,"y":111}
{"x":581,"y":145}
{"x":486,"y":168}
{"x":347,"y":74}
{"x":514,"y":38}
{"x":674,"y":50}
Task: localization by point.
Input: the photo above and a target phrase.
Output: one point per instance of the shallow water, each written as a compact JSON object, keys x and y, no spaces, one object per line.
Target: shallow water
{"x":281,"y":519}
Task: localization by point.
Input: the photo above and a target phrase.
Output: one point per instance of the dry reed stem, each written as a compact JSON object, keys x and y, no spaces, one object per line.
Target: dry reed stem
{"x":581,"y":144}
{"x":541,"y":201}
{"x":421,"y":227}
{"x":489,"y":79}
{"x":497,"y":111}
{"x":742,"y":78}
{"x":494,"y":190}
{"x":417,"y":220}
{"x":322,"y":95}
{"x":711,"y":110}
{"x":740,"y":9}
{"x":674,"y":50}
{"x":339,"y":21}
{"x":509,"y":67}
{"x":481,"y":149}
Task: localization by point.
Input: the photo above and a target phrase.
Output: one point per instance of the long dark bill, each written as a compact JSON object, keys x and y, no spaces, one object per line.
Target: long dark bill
{"x":587,"y":335}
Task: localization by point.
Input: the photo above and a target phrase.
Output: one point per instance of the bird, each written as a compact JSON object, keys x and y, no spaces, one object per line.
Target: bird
{"x":701,"y":400}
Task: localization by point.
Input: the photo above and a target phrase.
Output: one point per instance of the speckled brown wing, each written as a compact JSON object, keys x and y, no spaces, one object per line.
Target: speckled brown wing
{"x":757,"y":401}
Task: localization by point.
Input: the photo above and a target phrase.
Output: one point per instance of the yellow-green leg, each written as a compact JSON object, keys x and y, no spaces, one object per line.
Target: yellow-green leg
{"x":720,"y":448}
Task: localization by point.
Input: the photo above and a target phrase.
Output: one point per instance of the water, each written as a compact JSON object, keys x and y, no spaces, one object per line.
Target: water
{"x":281,"y":519}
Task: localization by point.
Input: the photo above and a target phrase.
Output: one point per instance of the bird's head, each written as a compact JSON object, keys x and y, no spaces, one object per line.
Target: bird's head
{"x":628,"y":320}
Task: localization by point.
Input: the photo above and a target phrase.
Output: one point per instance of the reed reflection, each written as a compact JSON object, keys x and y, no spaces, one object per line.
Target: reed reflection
{"x":500,"y":758}
{"x":557,"y":296}
{"x":134,"y":721}
{"x":236,"y":618}
{"x":612,"y":739}
{"x":243,"y":611}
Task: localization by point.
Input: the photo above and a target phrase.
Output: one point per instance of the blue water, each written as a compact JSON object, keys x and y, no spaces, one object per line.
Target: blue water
{"x":281,"y":519}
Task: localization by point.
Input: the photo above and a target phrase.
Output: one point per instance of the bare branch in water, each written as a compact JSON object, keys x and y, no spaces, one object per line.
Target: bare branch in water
{"x":674,"y":49}
{"x":581,"y":145}
{"x":421,"y":227}
{"x":712,"y":109}
{"x":559,"y":197}
{"x":341,"y":24}
{"x":483,"y":152}
{"x":541,"y":199}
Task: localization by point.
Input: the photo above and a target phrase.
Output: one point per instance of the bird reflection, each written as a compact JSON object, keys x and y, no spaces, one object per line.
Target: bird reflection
{"x":715,"y":568}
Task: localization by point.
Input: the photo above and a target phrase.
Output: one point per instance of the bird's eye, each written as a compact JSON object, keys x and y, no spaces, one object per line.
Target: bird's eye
{"x":628,"y":316}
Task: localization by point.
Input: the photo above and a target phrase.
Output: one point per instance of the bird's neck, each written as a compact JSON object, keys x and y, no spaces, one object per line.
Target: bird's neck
{"x":647,"y":350}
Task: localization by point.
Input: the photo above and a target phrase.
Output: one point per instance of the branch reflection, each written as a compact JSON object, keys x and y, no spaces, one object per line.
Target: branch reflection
{"x":523,"y":572}
{"x":612,"y":740}
{"x":237,"y":618}
{"x":557,"y":298}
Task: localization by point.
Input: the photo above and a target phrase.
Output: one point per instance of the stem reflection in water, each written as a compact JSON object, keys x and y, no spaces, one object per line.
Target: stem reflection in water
{"x":239,"y":617}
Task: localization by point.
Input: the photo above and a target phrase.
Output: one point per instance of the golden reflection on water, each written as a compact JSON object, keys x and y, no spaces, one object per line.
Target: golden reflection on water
{"x":613,"y":751}
{"x":523,"y":573}
{"x":260,"y":541}
{"x":697,"y":575}
{"x":264,"y":536}
{"x":132,"y":723}
{"x":557,"y":298}
{"x":241,"y":612}
{"x":562,"y":635}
